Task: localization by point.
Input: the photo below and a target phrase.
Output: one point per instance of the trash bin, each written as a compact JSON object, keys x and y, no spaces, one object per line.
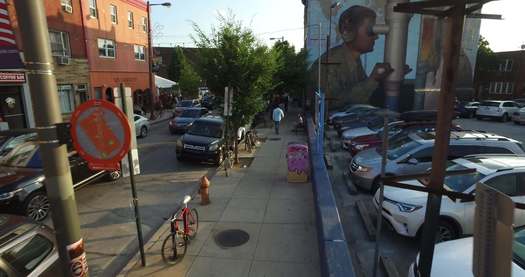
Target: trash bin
{"x":298,"y":162}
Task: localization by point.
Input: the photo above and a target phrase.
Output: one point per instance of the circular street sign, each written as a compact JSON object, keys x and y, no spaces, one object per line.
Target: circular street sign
{"x":101,"y":134}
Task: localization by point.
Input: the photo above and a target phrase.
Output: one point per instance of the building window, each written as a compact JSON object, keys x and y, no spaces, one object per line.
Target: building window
{"x":93,"y":8}
{"x":59,"y":44}
{"x":508,"y":65}
{"x":67,"y":6}
{"x":139,"y":52}
{"x":82,"y":91}
{"x":144,"y":25}
{"x":131,"y":24}
{"x":67,"y":99}
{"x":510,"y":88}
{"x":106,"y":48}
{"x":113,"y":14}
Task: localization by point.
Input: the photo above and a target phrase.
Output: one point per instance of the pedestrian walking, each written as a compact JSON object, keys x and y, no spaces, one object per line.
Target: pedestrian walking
{"x":277,"y":116}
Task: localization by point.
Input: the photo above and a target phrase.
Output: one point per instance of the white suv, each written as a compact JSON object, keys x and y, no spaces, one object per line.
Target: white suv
{"x":502,"y":110}
{"x":405,"y":209}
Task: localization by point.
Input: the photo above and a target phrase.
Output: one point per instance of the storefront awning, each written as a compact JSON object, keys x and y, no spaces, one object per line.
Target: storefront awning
{"x":163,"y":82}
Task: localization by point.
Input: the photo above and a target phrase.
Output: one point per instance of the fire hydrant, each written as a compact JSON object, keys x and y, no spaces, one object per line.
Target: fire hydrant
{"x":205,"y":196}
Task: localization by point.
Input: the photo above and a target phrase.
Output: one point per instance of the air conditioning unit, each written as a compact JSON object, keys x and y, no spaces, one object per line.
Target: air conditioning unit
{"x":63,"y":60}
{"x":67,"y":8}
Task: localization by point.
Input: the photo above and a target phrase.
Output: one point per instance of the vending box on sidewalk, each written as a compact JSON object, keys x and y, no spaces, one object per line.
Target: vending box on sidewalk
{"x":298,"y":162}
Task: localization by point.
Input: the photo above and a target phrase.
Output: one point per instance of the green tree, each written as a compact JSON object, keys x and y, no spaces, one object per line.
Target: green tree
{"x":290,"y":76}
{"x":189,"y":80}
{"x":486,"y":59}
{"x":232,"y":56}
{"x":174,"y":70}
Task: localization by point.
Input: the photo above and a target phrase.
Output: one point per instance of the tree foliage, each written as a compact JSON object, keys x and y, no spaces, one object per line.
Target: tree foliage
{"x":290,"y":76}
{"x":174,"y":70}
{"x":231,"y":56}
{"x":190,"y":80}
{"x":486,"y":59}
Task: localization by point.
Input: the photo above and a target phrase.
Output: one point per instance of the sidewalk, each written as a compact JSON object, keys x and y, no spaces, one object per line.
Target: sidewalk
{"x":279,"y":217}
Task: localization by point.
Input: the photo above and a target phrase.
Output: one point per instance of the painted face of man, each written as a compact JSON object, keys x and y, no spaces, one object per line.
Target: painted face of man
{"x":365,"y":38}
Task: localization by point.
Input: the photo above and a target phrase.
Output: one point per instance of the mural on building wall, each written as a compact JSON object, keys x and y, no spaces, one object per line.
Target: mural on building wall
{"x":352,"y":70}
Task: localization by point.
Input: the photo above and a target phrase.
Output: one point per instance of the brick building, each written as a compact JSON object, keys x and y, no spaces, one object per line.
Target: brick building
{"x":96,"y":45}
{"x":505,"y":81}
{"x":116,"y":36}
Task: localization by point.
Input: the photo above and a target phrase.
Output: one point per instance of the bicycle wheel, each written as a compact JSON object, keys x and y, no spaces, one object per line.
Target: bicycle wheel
{"x":193,"y":223}
{"x":173,"y":248}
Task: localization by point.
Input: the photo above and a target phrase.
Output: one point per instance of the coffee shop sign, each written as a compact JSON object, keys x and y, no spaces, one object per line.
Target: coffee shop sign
{"x":12,"y":77}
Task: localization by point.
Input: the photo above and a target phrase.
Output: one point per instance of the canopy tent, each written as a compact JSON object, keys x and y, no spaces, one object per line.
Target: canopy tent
{"x":163,"y":82}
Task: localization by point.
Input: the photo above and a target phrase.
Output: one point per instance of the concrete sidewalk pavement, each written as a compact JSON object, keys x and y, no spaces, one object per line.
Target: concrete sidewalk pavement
{"x":278,"y":216}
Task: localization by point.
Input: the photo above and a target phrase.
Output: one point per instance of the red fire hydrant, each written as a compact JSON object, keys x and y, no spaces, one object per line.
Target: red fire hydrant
{"x":205,"y":196}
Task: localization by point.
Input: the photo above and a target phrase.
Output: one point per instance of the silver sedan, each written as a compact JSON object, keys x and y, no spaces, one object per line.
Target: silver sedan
{"x":141,"y":126}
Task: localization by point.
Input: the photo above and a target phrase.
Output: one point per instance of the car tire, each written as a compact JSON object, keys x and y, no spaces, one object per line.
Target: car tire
{"x":114,"y":175}
{"x":446,"y":231}
{"x":36,"y":206}
{"x":376,"y":183}
{"x":143,"y":131}
{"x":179,"y":157}
{"x":479,"y":117}
{"x":505,"y":117}
{"x":517,"y":122}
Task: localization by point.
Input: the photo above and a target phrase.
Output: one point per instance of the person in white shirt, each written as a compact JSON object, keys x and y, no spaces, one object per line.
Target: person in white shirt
{"x":277,"y":116}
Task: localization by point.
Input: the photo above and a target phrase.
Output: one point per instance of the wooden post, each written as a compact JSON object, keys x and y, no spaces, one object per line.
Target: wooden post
{"x":451,"y":52}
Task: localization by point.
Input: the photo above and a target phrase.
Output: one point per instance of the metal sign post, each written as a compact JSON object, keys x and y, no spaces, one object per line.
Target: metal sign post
{"x":126,"y":99}
{"x":135,"y":200}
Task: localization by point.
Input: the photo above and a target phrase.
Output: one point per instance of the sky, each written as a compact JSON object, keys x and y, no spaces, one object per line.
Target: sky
{"x":284,"y":18}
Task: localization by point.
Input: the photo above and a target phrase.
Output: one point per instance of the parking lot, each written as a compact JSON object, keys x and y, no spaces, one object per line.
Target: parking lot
{"x":399,"y":251}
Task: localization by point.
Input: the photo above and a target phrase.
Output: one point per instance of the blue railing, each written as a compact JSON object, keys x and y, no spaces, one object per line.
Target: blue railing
{"x":333,"y":247}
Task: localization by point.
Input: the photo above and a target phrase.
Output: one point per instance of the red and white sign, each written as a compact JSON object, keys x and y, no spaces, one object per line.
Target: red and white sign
{"x":101,"y":134}
{"x":77,"y":259}
{"x":12,"y":77}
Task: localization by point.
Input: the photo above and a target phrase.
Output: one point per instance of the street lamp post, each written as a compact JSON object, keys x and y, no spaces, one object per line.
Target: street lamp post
{"x":278,"y":38}
{"x":150,"y":51}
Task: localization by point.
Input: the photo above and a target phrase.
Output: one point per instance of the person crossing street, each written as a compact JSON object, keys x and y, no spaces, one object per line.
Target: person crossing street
{"x":277,"y":116}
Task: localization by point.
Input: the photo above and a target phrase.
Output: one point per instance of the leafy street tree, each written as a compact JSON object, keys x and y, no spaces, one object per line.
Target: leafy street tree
{"x":290,"y":76}
{"x":174,"y":70}
{"x":189,"y":80}
{"x":486,"y":60}
{"x":232,"y":56}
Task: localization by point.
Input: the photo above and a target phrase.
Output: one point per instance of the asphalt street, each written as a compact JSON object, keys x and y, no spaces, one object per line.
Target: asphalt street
{"x":106,"y":214}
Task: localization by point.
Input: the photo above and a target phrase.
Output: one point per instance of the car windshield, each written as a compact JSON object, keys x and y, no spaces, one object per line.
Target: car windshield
{"x":185,"y":103}
{"x":206,"y":129}
{"x":490,"y":104}
{"x":400,"y":147}
{"x":190,"y":113}
{"x":376,"y":124}
{"x":460,"y":183}
{"x":23,"y":155}
{"x":518,"y":247}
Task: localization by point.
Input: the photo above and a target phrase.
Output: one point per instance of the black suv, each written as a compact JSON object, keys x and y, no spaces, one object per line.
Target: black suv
{"x":203,"y":141}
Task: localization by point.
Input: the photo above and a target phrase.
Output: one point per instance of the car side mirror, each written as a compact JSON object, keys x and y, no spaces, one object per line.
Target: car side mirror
{"x":468,"y":200}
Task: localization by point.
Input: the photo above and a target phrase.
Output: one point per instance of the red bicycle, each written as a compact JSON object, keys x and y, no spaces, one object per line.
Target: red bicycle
{"x":184,"y":225}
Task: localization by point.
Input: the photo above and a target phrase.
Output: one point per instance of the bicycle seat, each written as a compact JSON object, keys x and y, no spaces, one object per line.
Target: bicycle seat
{"x":187,"y":199}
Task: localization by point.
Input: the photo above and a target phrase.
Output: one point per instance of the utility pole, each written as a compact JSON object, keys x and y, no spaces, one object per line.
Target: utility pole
{"x":59,"y":186}
{"x":150,"y":61}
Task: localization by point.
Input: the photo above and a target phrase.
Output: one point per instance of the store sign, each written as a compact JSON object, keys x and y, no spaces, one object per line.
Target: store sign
{"x":12,"y":77}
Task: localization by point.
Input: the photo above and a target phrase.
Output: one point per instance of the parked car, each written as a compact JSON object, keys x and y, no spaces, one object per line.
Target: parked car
{"x":405,"y":209}
{"x":208,"y":101}
{"x":141,"y":126}
{"x":182,"y":122}
{"x":502,"y":110}
{"x":203,"y":141}
{"x":355,"y":121}
{"x":396,"y":131}
{"x":22,"y":180}
{"x":467,"y":109}
{"x":413,"y":154}
{"x":518,"y":117}
{"x":349,"y":111}
{"x":454,"y":258}
{"x":184,"y":104}
{"x":374,"y":126}
{"x":27,"y":248}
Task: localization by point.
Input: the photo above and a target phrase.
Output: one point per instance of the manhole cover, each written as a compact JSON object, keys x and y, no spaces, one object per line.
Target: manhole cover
{"x":274,"y":139}
{"x":231,"y":238}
